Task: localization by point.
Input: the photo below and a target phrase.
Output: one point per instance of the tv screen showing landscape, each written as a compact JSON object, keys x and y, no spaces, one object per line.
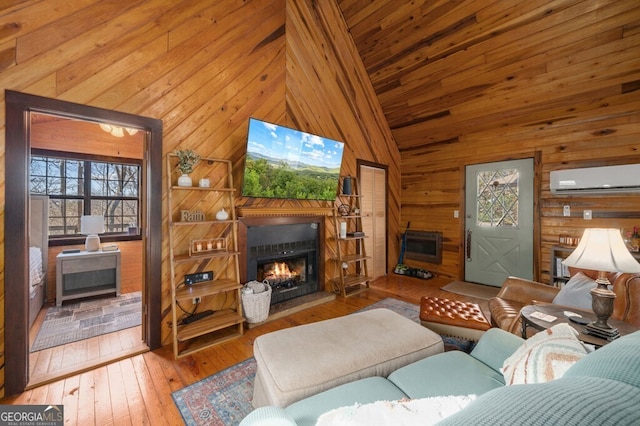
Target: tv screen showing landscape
{"x":287,"y":163}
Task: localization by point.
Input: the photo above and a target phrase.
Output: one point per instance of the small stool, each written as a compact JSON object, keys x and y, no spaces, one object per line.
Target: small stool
{"x":453,"y":318}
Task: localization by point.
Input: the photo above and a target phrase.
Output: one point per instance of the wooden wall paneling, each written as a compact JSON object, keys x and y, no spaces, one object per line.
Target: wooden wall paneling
{"x":320,"y":54}
{"x":77,"y":22}
{"x":31,"y":16}
{"x":85,"y":138}
{"x":196,"y":76}
{"x":130,"y":54}
{"x":553,"y":85}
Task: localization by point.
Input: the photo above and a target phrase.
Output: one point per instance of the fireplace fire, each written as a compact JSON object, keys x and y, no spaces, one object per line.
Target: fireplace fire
{"x":283,"y":274}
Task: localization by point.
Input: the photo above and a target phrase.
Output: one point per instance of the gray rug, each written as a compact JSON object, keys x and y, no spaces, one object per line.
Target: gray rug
{"x":89,"y":318}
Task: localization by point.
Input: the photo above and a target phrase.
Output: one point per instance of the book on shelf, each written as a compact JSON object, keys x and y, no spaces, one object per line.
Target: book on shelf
{"x":562,"y":270}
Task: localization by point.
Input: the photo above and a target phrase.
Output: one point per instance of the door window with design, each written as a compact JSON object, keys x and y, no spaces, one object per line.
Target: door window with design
{"x":497,"y":198}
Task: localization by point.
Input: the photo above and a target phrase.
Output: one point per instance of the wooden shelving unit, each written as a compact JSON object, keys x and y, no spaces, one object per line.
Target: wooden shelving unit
{"x":222,"y":294}
{"x":350,"y":259}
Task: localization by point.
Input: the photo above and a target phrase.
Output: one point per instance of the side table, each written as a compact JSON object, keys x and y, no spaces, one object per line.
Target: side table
{"x":87,"y":273}
{"x":558,"y":312}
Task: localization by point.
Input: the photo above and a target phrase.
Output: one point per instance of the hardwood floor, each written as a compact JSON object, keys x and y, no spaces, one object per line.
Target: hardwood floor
{"x":62,"y":361}
{"x":137,"y":390}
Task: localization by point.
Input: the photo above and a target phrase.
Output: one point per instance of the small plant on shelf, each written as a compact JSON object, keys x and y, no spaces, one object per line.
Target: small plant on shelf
{"x":187,"y":159}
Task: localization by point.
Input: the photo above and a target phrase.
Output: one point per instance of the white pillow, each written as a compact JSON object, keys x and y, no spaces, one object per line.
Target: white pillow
{"x":544,"y":357}
{"x":406,"y":412}
{"x":575,"y":292}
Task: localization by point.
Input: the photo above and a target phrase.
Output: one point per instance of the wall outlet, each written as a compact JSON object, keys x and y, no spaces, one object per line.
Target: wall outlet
{"x":197,"y":300}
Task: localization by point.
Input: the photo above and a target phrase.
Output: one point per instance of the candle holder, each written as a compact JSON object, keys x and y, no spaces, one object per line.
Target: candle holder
{"x":206,"y":246}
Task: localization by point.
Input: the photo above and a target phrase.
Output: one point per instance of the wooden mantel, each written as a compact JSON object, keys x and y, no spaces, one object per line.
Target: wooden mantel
{"x":283,"y":211}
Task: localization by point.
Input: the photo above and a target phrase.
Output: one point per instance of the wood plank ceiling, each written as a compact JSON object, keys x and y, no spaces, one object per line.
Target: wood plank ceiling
{"x":437,"y":65}
{"x":465,"y":82}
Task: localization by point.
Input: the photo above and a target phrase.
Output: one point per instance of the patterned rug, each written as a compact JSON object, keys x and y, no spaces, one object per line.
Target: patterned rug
{"x":88,"y":318}
{"x":225,"y":398}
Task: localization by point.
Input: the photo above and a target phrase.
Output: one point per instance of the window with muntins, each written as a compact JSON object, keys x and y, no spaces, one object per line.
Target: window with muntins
{"x":80,"y":186}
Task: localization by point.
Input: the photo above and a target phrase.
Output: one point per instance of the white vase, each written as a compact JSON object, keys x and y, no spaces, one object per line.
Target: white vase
{"x":222,"y":215}
{"x":184,"y":180}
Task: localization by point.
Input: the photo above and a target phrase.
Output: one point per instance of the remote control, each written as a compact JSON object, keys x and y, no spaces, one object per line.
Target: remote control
{"x":580,"y":320}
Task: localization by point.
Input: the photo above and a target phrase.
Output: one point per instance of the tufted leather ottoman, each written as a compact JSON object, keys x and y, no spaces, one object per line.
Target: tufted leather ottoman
{"x":453,"y":318}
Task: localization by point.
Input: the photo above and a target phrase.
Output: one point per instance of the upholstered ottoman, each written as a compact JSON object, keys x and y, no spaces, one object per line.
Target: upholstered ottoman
{"x":297,"y":362}
{"x":453,"y":318}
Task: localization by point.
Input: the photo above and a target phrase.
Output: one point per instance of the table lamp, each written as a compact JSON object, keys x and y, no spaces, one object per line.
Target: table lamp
{"x":602,"y":250}
{"x":91,"y":226}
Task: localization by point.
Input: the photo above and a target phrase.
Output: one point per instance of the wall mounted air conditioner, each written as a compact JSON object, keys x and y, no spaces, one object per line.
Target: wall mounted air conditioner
{"x":597,"y":180}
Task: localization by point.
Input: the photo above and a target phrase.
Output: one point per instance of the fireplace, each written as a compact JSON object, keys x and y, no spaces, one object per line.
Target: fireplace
{"x":284,"y":252}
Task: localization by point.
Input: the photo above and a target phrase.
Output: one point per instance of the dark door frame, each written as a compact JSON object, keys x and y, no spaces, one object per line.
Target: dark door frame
{"x":17,"y":151}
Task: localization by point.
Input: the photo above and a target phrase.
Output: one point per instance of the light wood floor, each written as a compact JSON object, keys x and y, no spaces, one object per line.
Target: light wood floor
{"x":73,"y":358}
{"x":137,"y":390}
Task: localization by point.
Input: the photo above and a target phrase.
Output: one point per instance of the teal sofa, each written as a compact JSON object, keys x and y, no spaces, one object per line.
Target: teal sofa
{"x":603,"y":388}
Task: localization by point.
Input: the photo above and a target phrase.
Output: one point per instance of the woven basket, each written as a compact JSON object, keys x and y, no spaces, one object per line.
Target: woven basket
{"x":256,"y":305}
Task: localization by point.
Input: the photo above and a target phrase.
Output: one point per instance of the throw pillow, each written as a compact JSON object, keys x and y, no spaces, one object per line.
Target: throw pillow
{"x":544,"y":357}
{"x":406,"y":412}
{"x":575,"y":292}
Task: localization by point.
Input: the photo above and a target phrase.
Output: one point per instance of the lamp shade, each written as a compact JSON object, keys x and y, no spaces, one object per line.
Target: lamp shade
{"x":91,"y":225}
{"x":602,"y":250}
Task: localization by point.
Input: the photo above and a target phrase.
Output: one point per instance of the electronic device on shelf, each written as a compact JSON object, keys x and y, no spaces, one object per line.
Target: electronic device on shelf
{"x":355,"y":234}
{"x":197,"y":316}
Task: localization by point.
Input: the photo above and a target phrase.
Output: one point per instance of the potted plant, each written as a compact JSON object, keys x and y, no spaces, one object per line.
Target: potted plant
{"x":187,"y":159}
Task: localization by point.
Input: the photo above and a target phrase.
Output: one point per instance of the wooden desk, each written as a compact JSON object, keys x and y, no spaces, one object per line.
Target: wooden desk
{"x":558,"y":312}
{"x":86,"y":274}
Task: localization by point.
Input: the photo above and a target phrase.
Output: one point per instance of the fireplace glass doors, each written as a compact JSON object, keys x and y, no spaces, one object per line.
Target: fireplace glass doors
{"x":285,"y":257}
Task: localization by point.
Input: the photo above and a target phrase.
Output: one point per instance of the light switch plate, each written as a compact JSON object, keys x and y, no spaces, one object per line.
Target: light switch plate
{"x":566,"y":211}
{"x":586,"y":215}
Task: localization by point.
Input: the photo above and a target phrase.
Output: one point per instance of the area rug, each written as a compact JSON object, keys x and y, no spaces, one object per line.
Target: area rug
{"x":479,"y":291}
{"x":88,"y":318}
{"x":224,"y":398}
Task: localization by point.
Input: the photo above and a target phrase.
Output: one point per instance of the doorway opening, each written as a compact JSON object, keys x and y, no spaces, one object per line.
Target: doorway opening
{"x":19,"y":108}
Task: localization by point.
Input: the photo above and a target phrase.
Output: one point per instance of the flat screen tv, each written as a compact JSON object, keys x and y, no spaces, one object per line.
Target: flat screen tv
{"x":287,"y":163}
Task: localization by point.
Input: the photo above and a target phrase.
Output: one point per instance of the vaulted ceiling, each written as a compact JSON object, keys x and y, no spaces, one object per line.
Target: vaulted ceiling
{"x":442,"y":68}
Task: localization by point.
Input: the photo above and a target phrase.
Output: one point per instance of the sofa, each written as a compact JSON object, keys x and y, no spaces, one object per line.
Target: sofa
{"x":516,"y":293}
{"x":602,"y":387}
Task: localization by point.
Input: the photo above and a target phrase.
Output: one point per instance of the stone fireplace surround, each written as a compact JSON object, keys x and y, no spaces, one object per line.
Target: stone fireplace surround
{"x":281,"y":216}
